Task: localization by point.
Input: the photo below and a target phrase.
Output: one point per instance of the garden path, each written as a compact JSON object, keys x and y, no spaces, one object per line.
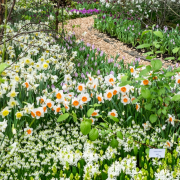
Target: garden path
{"x":108,"y":45}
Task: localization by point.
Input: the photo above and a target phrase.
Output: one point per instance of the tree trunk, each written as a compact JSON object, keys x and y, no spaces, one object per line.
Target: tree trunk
{"x":2,"y":11}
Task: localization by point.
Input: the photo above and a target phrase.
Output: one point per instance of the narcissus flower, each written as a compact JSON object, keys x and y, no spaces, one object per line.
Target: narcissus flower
{"x":145,"y":82}
{"x":125,"y":100}
{"x":49,"y":103}
{"x":80,"y":87}
{"x":75,"y":102}
{"x":113,"y":113}
{"x":59,"y":96}
{"x":108,"y":95}
{"x":132,"y":70}
{"x":28,"y":131}
{"x":12,"y":93}
{"x":177,"y":79}
{"x":168,"y":144}
{"x":110,"y":80}
{"x":92,"y":119}
{"x":146,"y":125}
{"x":41,"y":99}
{"x":95,"y":113}
{"x":171,"y":119}
{"x":99,"y":97}
{"x":137,"y":107}
{"x":5,"y":112}
{"x":124,"y":90}
{"x":19,"y":114}
{"x":84,"y":98}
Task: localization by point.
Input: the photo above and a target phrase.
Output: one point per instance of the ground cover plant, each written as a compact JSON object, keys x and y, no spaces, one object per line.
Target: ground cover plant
{"x":66,"y":113}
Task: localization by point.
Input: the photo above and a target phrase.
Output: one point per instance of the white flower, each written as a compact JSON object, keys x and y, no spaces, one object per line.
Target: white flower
{"x":168,"y":144}
{"x":51,"y":17}
{"x":5,"y":112}
{"x":28,"y":131}
{"x":13,"y":147}
{"x":3,"y":125}
{"x":12,"y":93}
{"x":19,"y":114}
{"x":171,"y":119}
{"x":146,"y":126}
{"x":113,"y":113}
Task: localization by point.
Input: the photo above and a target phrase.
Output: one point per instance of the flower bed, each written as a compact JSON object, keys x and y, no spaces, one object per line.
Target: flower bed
{"x":68,"y":114}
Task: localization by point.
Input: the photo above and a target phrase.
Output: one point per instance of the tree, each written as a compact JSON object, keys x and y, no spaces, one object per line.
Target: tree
{"x":2,"y":11}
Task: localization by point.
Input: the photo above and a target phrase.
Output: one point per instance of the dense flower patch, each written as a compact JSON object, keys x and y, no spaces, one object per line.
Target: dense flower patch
{"x":66,"y":113}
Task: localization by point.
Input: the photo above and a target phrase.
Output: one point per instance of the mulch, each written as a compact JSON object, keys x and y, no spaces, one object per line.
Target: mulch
{"x":134,"y":52}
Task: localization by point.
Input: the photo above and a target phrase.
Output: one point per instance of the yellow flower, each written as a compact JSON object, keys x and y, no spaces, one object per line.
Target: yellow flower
{"x":19,"y":115}
{"x":13,"y":94}
{"x":17,"y":78}
{"x":5,"y":112}
{"x":45,"y":66}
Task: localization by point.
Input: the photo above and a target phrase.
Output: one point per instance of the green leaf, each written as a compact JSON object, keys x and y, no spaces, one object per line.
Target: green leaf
{"x":90,"y":111}
{"x":147,"y":151}
{"x":124,"y":83}
{"x":157,"y":52}
{"x":156,"y":44}
{"x":19,"y":102}
{"x":176,"y":97}
{"x":74,"y":116}
{"x":148,"y":68}
{"x":93,"y":134}
{"x":161,"y":91}
{"x":98,"y":116}
{"x":179,"y":58}
{"x":162,"y":140}
{"x":169,"y":58}
{"x":97,"y":105}
{"x":153,"y":118}
{"x":158,"y":33}
{"x":148,"y":53}
{"x":129,"y":118}
{"x":160,"y":98}
{"x":135,"y":150}
{"x":114,"y":143}
{"x":113,"y":118}
{"x":143,"y":72}
{"x":139,"y":78}
{"x":159,"y":111}
{"x":1,"y":80}
{"x":169,"y":74}
{"x":63,"y":110}
{"x":150,"y":57}
{"x":175,"y":50}
{"x":85,"y":127}
{"x":143,"y":46}
{"x":146,"y":93}
{"x":3,"y":66}
{"x":124,"y":78}
{"x":156,"y":64}
{"x":63,"y":117}
{"x":119,"y":135}
{"x":104,"y":125}
{"x":135,"y":101}
{"x":140,"y":66}
{"x":145,"y":32}
{"x":164,"y":111}
{"x":127,"y":135}
{"x":148,"y":106}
